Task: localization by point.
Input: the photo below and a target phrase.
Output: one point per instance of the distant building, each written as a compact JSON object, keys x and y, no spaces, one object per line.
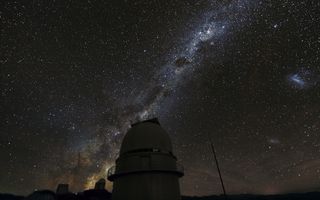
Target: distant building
{"x":42,"y":195}
{"x":62,"y":189}
{"x":146,"y":168}
{"x":100,"y":185}
{"x":98,"y":193}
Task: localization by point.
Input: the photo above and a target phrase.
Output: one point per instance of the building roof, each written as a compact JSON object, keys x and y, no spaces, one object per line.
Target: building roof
{"x":146,"y":135}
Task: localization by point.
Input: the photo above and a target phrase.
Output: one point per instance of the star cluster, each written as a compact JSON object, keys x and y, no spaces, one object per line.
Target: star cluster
{"x":75,"y":75}
{"x":304,"y":79}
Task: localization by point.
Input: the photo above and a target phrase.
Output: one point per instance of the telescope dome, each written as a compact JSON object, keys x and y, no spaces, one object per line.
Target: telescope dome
{"x":147,"y":135}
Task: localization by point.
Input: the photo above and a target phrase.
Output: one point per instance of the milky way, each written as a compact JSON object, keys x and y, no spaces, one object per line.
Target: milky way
{"x":214,"y":26}
{"x":245,"y":73}
{"x":183,"y":63}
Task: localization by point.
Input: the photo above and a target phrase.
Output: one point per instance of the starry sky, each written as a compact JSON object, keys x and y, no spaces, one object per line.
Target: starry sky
{"x":75,"y":74}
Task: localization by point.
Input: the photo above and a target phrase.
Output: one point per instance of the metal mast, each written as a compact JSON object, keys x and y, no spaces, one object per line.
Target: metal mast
{"x":218,"y":167}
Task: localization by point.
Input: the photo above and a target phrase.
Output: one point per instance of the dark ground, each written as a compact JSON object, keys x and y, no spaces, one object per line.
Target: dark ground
{"x":105,"y":195}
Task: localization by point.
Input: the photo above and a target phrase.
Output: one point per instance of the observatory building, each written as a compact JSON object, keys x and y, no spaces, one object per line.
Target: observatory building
{"x":146,"y":168}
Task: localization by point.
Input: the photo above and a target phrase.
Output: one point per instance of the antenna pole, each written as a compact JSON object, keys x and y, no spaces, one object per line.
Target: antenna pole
{"x":218,"y":167}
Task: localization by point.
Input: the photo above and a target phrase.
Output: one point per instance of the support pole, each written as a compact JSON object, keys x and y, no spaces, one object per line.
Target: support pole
{"x":218,"y":167}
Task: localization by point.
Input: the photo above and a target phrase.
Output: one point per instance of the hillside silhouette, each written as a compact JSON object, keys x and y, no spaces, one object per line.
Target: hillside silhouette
{"x":95,"y":194}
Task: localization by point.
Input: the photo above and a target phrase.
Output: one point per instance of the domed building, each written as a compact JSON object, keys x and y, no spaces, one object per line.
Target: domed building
{"x":146,"y":168}
{"x":100,"y":185}
{"x":42,"y":195}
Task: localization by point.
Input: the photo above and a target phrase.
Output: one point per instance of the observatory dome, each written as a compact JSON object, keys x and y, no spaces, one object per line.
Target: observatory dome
{"x":146,"y":135}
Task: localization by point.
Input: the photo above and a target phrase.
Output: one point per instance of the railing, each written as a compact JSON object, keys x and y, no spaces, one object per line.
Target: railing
{"x":112,"y":170}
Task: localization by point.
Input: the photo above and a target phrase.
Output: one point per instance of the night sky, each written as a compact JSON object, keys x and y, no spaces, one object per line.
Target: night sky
{"x":75,"y":75}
